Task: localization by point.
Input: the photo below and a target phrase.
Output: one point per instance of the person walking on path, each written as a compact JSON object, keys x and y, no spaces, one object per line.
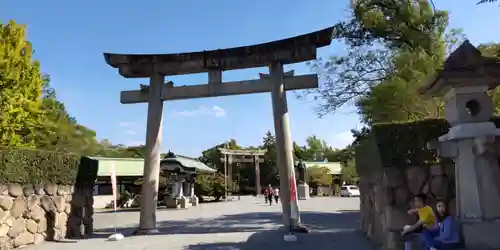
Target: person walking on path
{"x":276,"y":194}
{"x":270,"y":192}
{"x":266,"y":194}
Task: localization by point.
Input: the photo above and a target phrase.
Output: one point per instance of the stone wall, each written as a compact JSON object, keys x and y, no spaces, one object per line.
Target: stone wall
{"x":386,"y":195}
{"x":30,"y":214}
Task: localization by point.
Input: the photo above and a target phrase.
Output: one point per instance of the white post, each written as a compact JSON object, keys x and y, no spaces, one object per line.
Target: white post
{"x":174,"y":190}
{"x":149,"y":198}
{"x":284,"y":147}
{"x":191,"y":187}
{"x":225,"y":175}
{"x":180,"y":189}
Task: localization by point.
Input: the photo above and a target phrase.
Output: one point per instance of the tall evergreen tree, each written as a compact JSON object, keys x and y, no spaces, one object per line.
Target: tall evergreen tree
{"x":21,"y":84}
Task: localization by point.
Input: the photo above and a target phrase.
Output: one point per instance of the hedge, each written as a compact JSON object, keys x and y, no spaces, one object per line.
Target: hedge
{"x":405,"y":143}
{"x":28,"y":166}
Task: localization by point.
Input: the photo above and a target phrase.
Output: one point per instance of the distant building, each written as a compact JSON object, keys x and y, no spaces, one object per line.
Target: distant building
{"x":336,"y":172}
{"x":129,"y":171}
{"x":334,"y":167}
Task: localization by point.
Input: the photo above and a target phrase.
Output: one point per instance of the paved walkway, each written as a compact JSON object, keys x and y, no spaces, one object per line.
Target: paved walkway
{"x":247,"y":224}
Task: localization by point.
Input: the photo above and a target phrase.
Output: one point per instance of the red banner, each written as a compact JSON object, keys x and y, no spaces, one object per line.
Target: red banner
{"x":293,"y":190}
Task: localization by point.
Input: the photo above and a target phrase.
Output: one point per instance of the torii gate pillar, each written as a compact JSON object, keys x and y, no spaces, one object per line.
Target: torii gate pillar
{"x":284,"y":147}
{"x":150,"y":181}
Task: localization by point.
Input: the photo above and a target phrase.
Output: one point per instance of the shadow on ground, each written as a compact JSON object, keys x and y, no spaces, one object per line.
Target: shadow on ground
{"x":137,"y":209}
{"x":247,"y":222}
{"x":328,"y":230}
{"x":344,"y":240}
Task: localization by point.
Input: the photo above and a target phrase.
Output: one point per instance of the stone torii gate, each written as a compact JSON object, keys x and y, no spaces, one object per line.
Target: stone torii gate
{"x":230,"y":156}
{"x":157,"y":66}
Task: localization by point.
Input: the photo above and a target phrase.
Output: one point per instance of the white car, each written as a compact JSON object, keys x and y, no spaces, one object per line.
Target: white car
{"x":349,"y":191}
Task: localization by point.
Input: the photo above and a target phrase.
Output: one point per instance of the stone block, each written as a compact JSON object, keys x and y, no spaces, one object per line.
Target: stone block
{"x":387,"y":196}
{"x":436,"y":170}
{"x":51,"y":189}
{"x":60,"y":203}
{"x":303,"y":191}
{"x":4,"y":189}
{"x":28,"y":190}
{"x":6,"y":202}
{"x":416,"y":178}
{"x":39,"y":189}
{"x":401,"y":196}
{"x":15,"y":190}
{"x":449,"y":169}
{"x":452,"y":207}
{"x":33,"y":201}
{"x":392,"y":178}
{"x":171,"y":203}
{"x":23,"y":239}
{"x":481,"y":235}
{"x":47,"y":203}
{"x":438,"y":186}
{"x":18,"y":226}
{"x":184,"y":202}
{"x":194,"y":201}
{"x":18,"y":207}
{"x":31,"y":226}
{"x":24,"y":208}
{"x":396,"y":219}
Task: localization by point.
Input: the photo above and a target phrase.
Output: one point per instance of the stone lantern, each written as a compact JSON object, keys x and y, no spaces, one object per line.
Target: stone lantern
{"x":472,"y":141}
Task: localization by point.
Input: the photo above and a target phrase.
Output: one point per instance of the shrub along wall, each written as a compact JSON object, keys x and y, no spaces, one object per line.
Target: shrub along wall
{"x":44,"y":196}
{"x":405,"y":143}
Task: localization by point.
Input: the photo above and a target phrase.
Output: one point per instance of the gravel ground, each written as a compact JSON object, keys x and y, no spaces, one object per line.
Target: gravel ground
{"x":237,"y":225}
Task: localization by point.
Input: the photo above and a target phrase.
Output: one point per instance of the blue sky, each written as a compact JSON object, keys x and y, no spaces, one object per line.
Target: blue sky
{"x":69,"y":38}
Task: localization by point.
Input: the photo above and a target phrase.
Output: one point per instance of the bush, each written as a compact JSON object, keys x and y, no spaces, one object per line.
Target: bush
{"x":210,"y":185}
{"x":28,"y":166}
{"x":319,"y":176}
{"x":404,"y":143}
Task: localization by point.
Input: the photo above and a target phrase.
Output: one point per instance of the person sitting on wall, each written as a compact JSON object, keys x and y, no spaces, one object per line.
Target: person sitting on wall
{"x":412,"y":237}
{"x":449,"y":232}
{"x":427,"y":222}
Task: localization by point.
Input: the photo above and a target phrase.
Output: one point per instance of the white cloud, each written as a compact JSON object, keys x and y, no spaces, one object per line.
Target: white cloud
{"x":130,"y":132}
{"x":128,"y":128}
{"x":203,"y":110}
{"x":218,"y":111}
{"x":126,"y":124}
{"x":341,"y":140}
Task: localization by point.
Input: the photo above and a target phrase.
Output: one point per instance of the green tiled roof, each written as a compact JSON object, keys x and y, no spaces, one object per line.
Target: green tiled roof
{"x":123,"y":166}
{"x":189,"y":164}
{"x":135,"y":166}
{"x":335,"y":167}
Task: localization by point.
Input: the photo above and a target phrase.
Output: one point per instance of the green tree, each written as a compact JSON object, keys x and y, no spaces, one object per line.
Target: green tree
{"x":61,"y":131}
{"x":492,"y":50}
{"x":349,"y":174}
{"x":393,"y":46}
{"x":211,"y":185}
{"x":299,"y":152}
{"x":269,"y":169}
{"x":342,"y":155}
{"x":21,"y":84}
{"x":487,"y":1}
{"x":319,"y":177}
{"x":212,"y":156}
